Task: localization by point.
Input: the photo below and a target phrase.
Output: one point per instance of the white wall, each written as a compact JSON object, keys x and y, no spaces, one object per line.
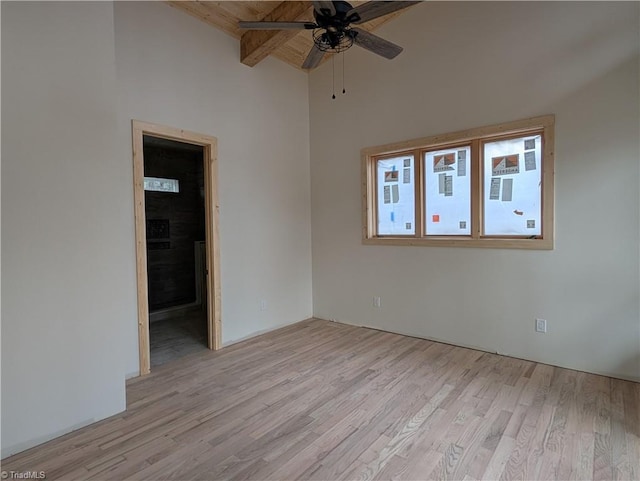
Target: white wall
{"x":178,"y":71}
{"x":74,"y":76}
{"x":62,"y":240}
{"x":472,"y":64}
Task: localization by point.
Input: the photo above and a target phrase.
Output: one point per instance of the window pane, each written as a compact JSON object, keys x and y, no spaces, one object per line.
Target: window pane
{"x":396,"y":196}
{"x":512,"y":186}
{"x":157,"y":184}
{"x":448,"y":191}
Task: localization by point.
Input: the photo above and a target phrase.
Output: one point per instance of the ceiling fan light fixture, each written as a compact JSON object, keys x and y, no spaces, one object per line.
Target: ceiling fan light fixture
{"x":333,"y":42}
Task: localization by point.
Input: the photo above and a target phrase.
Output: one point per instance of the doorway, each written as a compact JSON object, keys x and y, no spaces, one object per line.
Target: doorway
{"x":177,"y":248}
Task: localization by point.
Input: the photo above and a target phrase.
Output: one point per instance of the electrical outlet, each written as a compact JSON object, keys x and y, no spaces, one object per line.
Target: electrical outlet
{"x":541,"y":325}
{"x":376,"y":301}
{"x":263,"y":305}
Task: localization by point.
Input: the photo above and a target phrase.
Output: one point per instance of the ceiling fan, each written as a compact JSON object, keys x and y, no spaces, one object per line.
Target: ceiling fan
{"x":333,"y":31}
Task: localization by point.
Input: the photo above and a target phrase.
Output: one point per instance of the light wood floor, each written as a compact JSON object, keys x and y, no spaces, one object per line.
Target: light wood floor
{"x":324,"y":401}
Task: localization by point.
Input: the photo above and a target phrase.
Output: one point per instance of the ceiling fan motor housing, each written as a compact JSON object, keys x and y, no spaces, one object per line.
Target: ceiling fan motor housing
{"x":337,"y":35}
{"x":340,"y":20}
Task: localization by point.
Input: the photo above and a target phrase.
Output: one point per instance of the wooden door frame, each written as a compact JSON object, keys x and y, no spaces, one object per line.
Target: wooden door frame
{"x":210,"y":152}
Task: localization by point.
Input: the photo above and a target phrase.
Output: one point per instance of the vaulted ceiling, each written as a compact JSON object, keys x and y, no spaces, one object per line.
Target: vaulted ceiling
{"x":291,"y":46}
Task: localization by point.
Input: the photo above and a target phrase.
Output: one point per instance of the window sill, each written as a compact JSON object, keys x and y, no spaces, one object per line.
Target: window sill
{"x":487,"y":243}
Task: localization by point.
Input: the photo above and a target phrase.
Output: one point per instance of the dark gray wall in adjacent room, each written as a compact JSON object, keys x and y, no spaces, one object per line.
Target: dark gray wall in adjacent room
{"x":171,"y":265}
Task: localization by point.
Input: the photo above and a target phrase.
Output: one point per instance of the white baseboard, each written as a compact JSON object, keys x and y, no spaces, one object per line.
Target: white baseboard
{"x":262,"y":331}
{"x":478,"y":348}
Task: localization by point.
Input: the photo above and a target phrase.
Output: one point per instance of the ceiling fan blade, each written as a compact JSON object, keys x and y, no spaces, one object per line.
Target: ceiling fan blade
{"x":313,"y":59}
{"x":322,"y":7}
{"x":277,"y":25}
{"x":370,"y":10}
{"x":375,"y":44}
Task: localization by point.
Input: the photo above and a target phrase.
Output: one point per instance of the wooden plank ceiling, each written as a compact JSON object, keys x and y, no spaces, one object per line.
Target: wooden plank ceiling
{"x":291,"y":46}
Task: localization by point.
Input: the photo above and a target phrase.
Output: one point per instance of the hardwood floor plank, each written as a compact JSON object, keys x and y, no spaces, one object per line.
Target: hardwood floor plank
{"x":458,"y":455}
{"x":420,"y":467}
{"x":500,"y":458}
{"x":583,"y":457}
{"x":516,"y":466}
{"x":324,"y":401}
{"x":402,"y":438}
{"x":619,"y":456}
{"x":603,"y":467}
{"x":479,"y":464}
{"x":537,"y":453}
{"x":632,"y":426}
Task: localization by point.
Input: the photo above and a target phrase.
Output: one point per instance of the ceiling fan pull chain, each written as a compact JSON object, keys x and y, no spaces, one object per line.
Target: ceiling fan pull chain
{"x":343,"y":89}
{"x":333,"y":76}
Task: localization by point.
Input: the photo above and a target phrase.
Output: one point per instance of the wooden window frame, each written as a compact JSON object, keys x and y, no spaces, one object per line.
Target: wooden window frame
{"x":477,"y":137}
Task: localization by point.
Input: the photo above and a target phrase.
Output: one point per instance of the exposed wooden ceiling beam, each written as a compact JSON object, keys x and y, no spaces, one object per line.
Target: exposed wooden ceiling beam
{"x":256,"y":45}
{"x":291,"y":46}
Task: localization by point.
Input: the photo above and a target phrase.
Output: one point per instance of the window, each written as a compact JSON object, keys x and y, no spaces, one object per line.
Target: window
{"x":157,"y":184}
{"x":445,"y":172}
{"x":485,"y":187}
{"x":396,"y":195}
